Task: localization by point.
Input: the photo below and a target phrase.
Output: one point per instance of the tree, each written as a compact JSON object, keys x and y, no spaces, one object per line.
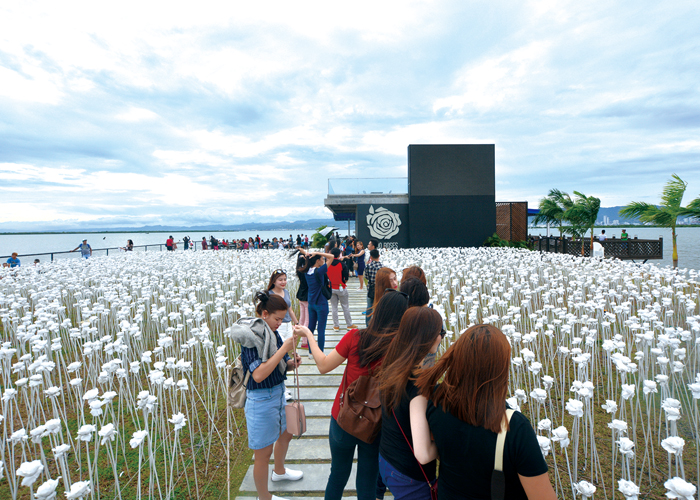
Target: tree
{"x":317,"y":239}
{"x":583,"y":214}
{"x":552,"y":209}
{"x":666,"y":214}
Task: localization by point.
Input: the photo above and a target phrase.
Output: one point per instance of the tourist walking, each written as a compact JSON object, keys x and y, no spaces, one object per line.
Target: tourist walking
{"x":370,"y":274}
{"x":364,"y":351}
{"x":414,"y":347}
{"x":467,"y":390}
{"x":338,"y":275}
{"x":264,"y":355}
{"x":315,"y":274}
{"x":359,"y":256}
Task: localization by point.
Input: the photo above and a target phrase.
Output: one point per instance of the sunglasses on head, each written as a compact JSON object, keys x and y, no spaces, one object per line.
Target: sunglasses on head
{"x":279,"y":271}
{"x":442,"y":332}
{"x":395,"y":290}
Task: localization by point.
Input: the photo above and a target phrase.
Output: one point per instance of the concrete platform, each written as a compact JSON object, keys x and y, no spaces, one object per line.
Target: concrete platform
{"x":314,"y":480}
{"x":308,"y":367}
{"x":317,"y":393}
{"x":316,"y":427}
{"x":318,"y":408}
{"x":308,"y":449}
{"x":316,"y":380}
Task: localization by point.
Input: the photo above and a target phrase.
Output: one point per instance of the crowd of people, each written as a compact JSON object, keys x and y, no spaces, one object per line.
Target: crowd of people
{"x":452,"y":408}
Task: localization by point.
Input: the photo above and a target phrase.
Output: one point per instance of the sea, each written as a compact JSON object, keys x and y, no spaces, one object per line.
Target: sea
{"x":40,"y":245}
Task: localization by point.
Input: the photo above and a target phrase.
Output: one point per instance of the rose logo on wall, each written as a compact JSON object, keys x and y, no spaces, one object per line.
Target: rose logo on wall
{"x":382,"y":223}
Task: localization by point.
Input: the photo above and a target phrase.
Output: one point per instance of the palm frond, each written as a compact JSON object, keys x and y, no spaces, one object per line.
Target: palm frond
{"x":637,"y":209}
{"x":673,"y":192}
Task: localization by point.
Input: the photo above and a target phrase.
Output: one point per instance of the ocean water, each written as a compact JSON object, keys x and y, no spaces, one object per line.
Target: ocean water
{"x":688,"y":241}
{"x":32,"y":245}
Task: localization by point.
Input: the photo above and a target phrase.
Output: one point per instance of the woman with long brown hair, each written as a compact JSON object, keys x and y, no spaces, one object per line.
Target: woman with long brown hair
{"x":414,"y":346}
{"x":470,"y":403}
{"x":383,"y":281}
{"x":364,"y":351}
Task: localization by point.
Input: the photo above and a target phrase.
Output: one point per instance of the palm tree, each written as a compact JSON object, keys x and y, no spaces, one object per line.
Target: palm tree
{"x":666,"y":214}
{"x":583,"y":214}
{"x":552,"y":209}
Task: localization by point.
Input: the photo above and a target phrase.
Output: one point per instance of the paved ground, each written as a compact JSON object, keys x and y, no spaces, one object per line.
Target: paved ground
{"x":311,"y":453}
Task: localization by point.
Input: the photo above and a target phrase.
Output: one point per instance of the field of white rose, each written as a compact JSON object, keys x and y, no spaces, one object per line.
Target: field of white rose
{"x":113,"y":370}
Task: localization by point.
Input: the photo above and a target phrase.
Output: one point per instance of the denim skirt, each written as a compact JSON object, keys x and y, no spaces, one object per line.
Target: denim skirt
{"x":265,"y":416}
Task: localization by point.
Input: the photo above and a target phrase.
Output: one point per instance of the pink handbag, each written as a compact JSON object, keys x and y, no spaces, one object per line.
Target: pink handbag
{"x":296,"y":416}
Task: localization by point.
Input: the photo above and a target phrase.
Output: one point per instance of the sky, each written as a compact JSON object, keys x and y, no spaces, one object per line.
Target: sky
{"x":184,"y":113}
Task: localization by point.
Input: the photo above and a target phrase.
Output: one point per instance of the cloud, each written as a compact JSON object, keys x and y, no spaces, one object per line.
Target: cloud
{"x":232,"y":111}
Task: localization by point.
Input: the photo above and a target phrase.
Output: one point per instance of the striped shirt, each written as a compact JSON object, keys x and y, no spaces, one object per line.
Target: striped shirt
{"x":250,"y":361}
{"x":370,"y":275}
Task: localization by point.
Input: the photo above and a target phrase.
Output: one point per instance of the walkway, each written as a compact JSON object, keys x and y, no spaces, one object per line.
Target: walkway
{"x":311,"y":452}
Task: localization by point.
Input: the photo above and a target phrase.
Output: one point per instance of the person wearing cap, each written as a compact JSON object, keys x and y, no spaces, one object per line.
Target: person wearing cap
{"x":85,"y":249}
{"x":13,"y":261}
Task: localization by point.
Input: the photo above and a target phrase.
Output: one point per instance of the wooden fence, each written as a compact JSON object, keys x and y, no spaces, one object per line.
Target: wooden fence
{"x":631,"y":249}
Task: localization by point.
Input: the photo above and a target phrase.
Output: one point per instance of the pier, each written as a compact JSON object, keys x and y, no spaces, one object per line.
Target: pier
{"x":632,"y":249}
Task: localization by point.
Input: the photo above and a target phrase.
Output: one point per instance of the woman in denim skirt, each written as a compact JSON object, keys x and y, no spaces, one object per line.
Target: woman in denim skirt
{"x":264,"y":355}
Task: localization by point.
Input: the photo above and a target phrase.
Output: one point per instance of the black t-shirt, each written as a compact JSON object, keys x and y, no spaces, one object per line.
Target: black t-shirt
{"x":467,"y":454}
{"x":393,"y":446}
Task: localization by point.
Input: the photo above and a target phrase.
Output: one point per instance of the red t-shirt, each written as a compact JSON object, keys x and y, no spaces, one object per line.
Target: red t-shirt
{"x":335,"y":274}
{"x":169,"y":242}
{"x":347,"y":348}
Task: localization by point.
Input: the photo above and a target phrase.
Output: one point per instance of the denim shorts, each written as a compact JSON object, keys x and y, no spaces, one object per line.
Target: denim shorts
{"x":265,"y":416}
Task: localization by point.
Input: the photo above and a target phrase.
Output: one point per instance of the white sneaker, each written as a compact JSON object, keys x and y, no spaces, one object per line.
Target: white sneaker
{"x":275,"y":497}
{"x":289,"y":475}
{"x":287,"y":395}
{"x":311,"y":356}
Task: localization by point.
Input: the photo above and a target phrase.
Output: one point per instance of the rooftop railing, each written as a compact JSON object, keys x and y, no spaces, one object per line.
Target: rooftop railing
{"x":382,"y":185}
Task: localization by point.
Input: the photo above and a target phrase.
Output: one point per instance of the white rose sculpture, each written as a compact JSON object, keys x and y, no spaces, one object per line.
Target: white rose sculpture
{"x":382,"y":223}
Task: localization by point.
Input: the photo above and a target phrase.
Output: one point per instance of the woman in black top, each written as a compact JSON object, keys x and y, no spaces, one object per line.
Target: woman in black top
{"x":465,"y":414}
{"x":418,"y":337}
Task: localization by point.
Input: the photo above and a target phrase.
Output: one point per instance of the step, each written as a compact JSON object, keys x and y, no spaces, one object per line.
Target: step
{"x":309,"y":449}
{"x":314,"y":480}
{"x":308,"y":367}
{"x":317,"y":393}
{"x":317,"y":427}
{"x":318,"y":408}
{"x":316,"y":381}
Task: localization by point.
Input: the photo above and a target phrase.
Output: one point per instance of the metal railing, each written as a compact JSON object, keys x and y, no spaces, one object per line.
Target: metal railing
{"x":94,"y":250}
{"x":630,"y":249}
{"x":381,"y":185}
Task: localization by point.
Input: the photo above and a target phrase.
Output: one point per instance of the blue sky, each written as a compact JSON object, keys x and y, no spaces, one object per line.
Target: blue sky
{"x":175,"y":113}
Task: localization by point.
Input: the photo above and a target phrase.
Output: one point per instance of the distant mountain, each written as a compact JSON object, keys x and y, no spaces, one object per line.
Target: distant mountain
{"x":613,"y":214}
{"x":309,"y":224}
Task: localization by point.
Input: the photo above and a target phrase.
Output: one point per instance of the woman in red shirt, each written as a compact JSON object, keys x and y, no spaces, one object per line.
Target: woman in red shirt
{"x":364,"y":351}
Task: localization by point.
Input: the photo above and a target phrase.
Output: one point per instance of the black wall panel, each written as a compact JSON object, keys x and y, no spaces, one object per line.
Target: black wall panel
{"x":451,"y":194}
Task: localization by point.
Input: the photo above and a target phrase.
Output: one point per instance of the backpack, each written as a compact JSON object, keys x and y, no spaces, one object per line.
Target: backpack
{"x":360,"y":411}
{"x":237,"y":385}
